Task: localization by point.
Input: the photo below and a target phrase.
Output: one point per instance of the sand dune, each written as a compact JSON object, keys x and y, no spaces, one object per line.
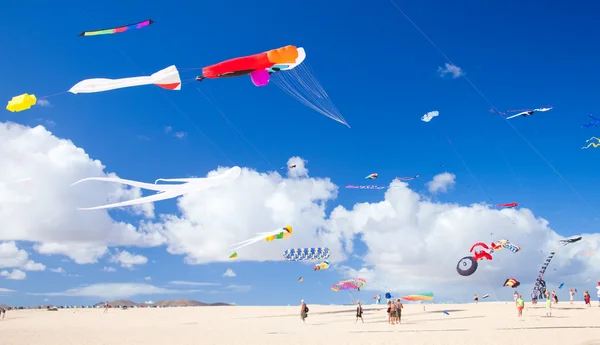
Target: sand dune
{"x":485,"y":323}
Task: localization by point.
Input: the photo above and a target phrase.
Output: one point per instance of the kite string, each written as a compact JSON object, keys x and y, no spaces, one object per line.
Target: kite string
{"x":52,"y":95}
{"x":494,"y":107}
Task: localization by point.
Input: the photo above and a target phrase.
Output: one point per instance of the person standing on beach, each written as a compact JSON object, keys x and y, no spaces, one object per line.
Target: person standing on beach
{"x":3,"y":313}
{"x":571,"y":293}
{"x":399,"y":307}
{"x":548,"y":305}
{"x":378,"y":298}
{"x":515,"y":296}
{"x":389,"y":312}
{"x":303,"y":311}
{"x":393,"y":312}
{"x":476,"y":299}
{"x":520,"y":306}
{"x":534,"y":296}
{"x":105,"y":307}
{"x":359,"y":312}
{"x":555,"y":297}
{"x":586,"y":298}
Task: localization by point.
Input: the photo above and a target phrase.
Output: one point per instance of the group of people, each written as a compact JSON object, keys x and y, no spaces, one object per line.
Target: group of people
{"x":394,"y":312}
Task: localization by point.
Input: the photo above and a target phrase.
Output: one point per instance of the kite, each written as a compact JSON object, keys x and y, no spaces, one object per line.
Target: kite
{"x":289,"y":167}
{"x":561,"y":285}
{"x":388,"y":295}
{"x":570,"y":240}
{"x":234,"y":255}
{"x":429,"y":116}
{"x":120,"y":29}
{"x":322,"y":266}
{"x":372,"y":176}
{"x":445,"y":312}
{"x":300,"y":280}
{"x":586,"y":253}
{"x":166,"y":191}
{"x":485,"y":296}
{"x":592,"y":144}
{"x":167,"y":78}
{"x":351,"y":284}
{"x":594,"y":123}
{"x":21,"y":102}
{"x":512,"y":282}
{"x":504,"y":244}
{"x":468,"y":265}
{"x":407,"y":178}
{"x":426,"y":296}
{"x":366,"y":187}
{"x":540,"y":284}
{"x":306,"y":254}
{"x":283,"y":233}
{"x":511,"y":205}
{"x":529,"y":112}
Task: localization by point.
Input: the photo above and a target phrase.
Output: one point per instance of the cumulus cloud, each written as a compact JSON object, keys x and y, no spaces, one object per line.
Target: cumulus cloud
{"x":14,"y":275}
{"x":229,"y":273}
{"x":450,"y":69}
{"x":180,"y":135}
{"x":441,"y":182}
{"x":50,"y":218}
{"x":127,"y":259}
{"x":114,"y":291}
{"x":148,"y":278}
{"x":11,"y":256}
{"x":299,"y":170}
{"x":43,"y":103}
{"x":6,"y":291}
{"x":109,"y":269}
{"x":187,"y":283}
{"x":57,"y":270}
{"x":168,"y":129}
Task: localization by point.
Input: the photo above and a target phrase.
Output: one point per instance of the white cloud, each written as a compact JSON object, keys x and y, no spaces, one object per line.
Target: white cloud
{"x":14,"y":275}
{"x":451,"y":69}
{"x":11,"y":256}
{"x":180,"y":135}
{"x":114,"y":291}
{"x":43,"y":103}
{"x":46,"y":299}
{"x":229,"y":273}
{"x":441,"y":182}
{"x":127,"y":259}
{"x":6,"y":291}
{"x":148,"y":278}
{"x":186,"y":283}
{"x":50,"y":217}
{"x":168,"y":129}
{"x":57,"y":270}
{"x":239,"y":288}
{"x":109,"y":269}
{"x":299,"y":170}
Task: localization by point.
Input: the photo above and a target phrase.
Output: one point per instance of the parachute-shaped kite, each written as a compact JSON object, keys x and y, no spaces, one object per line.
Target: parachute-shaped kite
{"x":512,"y":282}
{"x":298,"y":254}
{"x":529,"y":112}
{"x":234,"y":255}
{"x":283,"y":233}
{"x":510,"y":205}
{"x":372,"y":176}
{"x":322,"y":266}
{"x":351,"y":284}
{"x":300,"y":280}
{"x":594,"y":123}
{"x":124,"y":28}
{"x":166,"y":191}
{"x":570,"y":240}
{"x":426,"y":296}
{"x":429,"y":116}
{"x":21,"y":102}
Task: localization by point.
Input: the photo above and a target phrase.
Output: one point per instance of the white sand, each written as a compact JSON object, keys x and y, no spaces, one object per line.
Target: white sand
{"x":485,"y":323}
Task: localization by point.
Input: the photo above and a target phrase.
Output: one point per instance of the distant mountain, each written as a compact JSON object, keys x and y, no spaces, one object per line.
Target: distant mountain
{"x":164,"y":303}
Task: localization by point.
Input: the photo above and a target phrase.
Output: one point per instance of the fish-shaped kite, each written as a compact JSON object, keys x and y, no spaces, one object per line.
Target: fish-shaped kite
{"x":166,"y":191}
{"x":372,"y":176}
{"x":167,"y":78}
{"x":594,"y":123}
{"x":529,"y":112}
{"x":429,"y":116}
{"x":282,"y":233}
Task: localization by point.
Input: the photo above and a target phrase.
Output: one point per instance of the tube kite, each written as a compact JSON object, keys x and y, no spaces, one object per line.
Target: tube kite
{"x":529,"y":112}
{"x":165,"y":192}
{"x":511,"y":205}
{"x":21,"y":102}
{"x":429,"y":116}
{"x":258,"y":66}
{"x":570,"y":240}
{"x":540,"y":284}
{"x":120,"y":29}
{"x":426,"y":296}
{"x":594,"y":123}
{"x":167,"y":78}
{"x":299,"y":254}
{"x":512,"y":282}
{"x":365,"y":187}
{"x":283,"y":233}
{"x":595,"y":145}
{"x":468,"y":265}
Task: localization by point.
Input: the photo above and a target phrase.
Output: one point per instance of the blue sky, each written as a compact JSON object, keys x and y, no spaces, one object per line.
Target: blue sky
{"x":378,"y":69}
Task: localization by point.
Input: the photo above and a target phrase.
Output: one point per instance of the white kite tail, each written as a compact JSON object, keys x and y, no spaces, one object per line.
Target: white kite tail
{"x":167,"y":78}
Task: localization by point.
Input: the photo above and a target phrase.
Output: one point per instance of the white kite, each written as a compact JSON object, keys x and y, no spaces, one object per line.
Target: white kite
{"x":279,"y":234}
{"x":166,"y":191}
{"x":529,"y":112}
{"x":167,"y":78}
{"x":430,"y":115}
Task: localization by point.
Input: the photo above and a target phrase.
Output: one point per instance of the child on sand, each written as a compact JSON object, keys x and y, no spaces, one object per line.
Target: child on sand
{"x":587,"y":298}
{"x":520,"y":306}
{"x":548,"y":305}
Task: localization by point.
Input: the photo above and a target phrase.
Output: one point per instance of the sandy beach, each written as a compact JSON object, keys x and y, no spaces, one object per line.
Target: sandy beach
{"x":485,"y":323}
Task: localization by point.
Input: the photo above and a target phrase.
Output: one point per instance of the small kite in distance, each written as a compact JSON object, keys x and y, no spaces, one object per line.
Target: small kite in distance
{"x":570,"y":240}
{"x":429,"y":116}
{"x":119,"y":29}
{"x":485,"y":296}
{"x":278,"y":234}
{"x":561,"y":285}
{"x":234,"y":255}
{"x":408,"y":178}
{"x":510,"y":205}
{"x":300,"y":280}
{"x":372,"y":176}
{"x":595,"y":145}
{"x":529,"y":112}
{"x":594,"y":123}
